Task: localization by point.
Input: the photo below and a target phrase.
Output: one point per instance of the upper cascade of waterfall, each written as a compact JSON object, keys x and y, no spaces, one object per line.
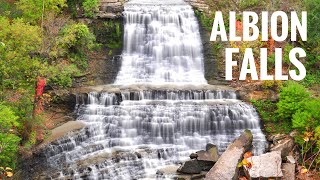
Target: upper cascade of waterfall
{"x":162,"y":44}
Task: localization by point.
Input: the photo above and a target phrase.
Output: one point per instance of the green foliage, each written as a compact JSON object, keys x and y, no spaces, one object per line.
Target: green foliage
{"x":61,"y":75}
{"x":313,"y":9}
{"x":266,"y":109}
{"x":205,"y":21}
{"x":32,"y":140}
{"x":308,"y":116}
{"x":288,"y":47}
{"x":90,"y":6}
{"x":73,"y":41}
{"x":113,"y":31}
{"x":7,"y":119}
{"x":272,"y":123}
{"x":272,"y":84}
{"x":8,"y":140}
{"x":292,"y":96}
{"x":311,"y":78}
{"x":32,"y":10}
{"x":19,"y":39}
{"x":317,"y":136}
{"x":248,"y":3}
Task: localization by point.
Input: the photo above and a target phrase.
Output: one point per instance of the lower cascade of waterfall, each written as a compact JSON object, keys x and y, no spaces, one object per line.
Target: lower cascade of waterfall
{"x":132,"y":134}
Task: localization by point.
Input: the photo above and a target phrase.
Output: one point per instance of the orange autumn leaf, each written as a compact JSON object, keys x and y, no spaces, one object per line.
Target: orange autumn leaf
{"x":247,"y":155}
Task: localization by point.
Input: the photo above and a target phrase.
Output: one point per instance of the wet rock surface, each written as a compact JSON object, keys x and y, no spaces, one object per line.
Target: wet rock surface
{"x":190,"y":167}
{"x":202,"y":160}
{"x":226,"y":167}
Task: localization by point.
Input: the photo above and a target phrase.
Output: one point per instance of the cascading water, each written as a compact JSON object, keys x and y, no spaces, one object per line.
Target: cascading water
{"x":130,"y":134}
{"x":161,"y":44}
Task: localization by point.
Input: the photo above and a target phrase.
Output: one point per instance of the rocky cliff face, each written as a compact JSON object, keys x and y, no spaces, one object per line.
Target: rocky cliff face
{"x":199,"y":5}
{"x":110,"y":9}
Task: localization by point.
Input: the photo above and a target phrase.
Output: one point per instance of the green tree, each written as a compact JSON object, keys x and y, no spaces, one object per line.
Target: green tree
{"x":74,"y":41}
{"x":89,"y":7}
{"x":18,"y":66}
{"x":292,"y":97}
{"x":8,"y":140}
{"x":308,"y":116}
{"x":33,"y":10}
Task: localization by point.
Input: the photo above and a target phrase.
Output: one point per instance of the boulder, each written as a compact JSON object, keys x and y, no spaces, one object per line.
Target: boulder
{"x":288,"y":171}
{"x":284,"y":146}
{"x":206,"y":159}
{"x":226,"y":166}
{"x":168,"y":170}
{"x":265,"y":166}
{"x":190,"y":167}
{"x":206,"y":156}
{"x":213,"y":151}
{"x":274,"y":138}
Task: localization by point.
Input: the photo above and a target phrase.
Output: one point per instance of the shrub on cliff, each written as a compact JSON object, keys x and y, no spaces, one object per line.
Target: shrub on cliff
{"x":292,"y":97}
{"x":308,"y":116}
{"x":9,"y":141}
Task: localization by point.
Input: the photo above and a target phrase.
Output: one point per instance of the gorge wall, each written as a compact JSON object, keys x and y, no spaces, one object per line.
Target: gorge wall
{"x":113,"y":8}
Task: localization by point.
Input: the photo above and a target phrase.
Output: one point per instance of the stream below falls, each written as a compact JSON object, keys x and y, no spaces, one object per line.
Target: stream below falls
{"x":132,"y":134}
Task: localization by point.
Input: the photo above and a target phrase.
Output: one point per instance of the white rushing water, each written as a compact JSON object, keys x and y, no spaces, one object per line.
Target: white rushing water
{"x":131,"y":134}
{"x":162,"y":44}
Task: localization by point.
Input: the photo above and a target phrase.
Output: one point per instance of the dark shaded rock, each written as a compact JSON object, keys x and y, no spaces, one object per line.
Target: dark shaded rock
{"x":138,"y":155}
{"x":205,"y":165}
{"x":206,"y":159}
{"x":193,"y":155}
{"x":190,"y":167}
{"x":284,"y":146}
{"x":265,"y":166}
{"x":226,"y":167}
{"x":288,"y":171}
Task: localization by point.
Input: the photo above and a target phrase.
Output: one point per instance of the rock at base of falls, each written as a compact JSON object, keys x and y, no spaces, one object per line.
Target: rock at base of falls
{"x":288,"y":171}
{"x":265,"y":166}
{"x":190,"y":167}
{"x":284,"y":146}
{"x":200,"y":161}
{"x":226,"y":167}
{"x":206,"y":159}
{"x":168,"y":170}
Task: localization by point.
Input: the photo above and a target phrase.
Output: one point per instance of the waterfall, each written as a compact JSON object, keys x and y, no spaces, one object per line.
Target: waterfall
{"x":132,"y":133}
{"x":162,"y":44}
